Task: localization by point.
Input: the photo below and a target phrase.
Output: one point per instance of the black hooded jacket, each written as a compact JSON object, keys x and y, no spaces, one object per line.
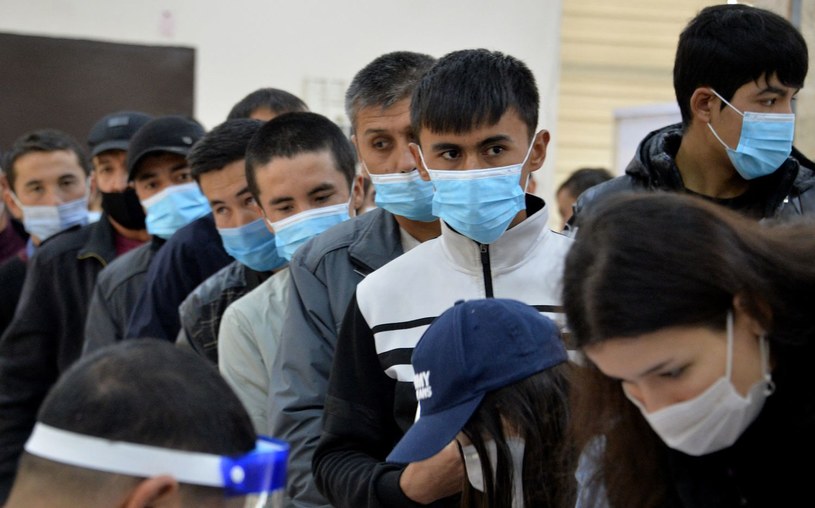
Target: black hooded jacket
{"x":786,"y":193}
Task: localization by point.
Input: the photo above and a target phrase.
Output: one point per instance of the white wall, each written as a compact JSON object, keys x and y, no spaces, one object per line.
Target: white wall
{"x":242,"y":45}
{"x":632,"y":124}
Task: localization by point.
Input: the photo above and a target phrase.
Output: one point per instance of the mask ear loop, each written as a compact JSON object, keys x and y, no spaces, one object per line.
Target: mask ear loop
{"x":711,"y":127}
{"x":764,"y":346}
{"x":729,"y":368}
{"x":529,"y":175}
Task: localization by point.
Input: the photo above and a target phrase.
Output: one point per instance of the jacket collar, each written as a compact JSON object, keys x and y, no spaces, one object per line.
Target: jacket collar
{"x":655,"y":165}
{"x":512,"y":248}
{"x":376,"y":241}
{"x":101,"y":243}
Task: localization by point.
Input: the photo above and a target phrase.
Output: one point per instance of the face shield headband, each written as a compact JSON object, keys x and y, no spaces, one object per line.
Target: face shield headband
{"x":257,"y":473}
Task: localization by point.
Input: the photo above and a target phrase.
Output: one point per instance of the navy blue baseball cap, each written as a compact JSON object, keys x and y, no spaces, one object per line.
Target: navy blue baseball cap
{"x":473,"y":348}
{"x":113,"y":131}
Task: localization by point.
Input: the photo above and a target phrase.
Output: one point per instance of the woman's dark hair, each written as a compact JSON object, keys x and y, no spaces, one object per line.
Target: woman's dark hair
{"x":644,"y":262}
{"x":535,"y":409}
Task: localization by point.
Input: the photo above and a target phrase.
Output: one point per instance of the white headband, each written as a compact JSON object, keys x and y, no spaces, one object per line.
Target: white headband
{"x":124,"y":458}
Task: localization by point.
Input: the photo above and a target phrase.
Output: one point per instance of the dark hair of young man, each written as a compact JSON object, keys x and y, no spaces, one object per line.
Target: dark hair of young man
{"x":150,"y":392}
{"x":727,"y":46}
{"x":583,"y":179}
{"x":385,"y":81}
{"x":141,"y":391}
{"x":223,"y":145}
{"x":471,"y":88}
{"x":278,"y":101}
{"x":292,"y":134}
{"x":44,"y":140}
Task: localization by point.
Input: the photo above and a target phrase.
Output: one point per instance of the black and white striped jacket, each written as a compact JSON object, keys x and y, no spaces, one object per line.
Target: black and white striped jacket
{"x":371,"y":400}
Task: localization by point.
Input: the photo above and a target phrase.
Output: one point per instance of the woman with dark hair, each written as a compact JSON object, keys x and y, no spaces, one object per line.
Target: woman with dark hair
{"x":493,"y":375}
{"x":696,"y":329}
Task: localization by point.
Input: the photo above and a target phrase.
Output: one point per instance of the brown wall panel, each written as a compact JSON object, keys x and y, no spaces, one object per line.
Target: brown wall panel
{"x":69,"y":84}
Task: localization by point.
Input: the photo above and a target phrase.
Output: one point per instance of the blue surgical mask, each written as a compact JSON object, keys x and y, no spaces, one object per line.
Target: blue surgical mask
{"x":478,"y":203}
{"x":405,"y":194}
{"x":765,"y":142}
{"x":253,"y":245}
{"x":46,"y":221}
{"x":294,"y":231}
{"x":173,"y":208}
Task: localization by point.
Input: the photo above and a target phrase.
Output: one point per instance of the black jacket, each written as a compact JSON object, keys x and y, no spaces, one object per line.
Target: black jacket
{"x":200,"y":312}
{"x":786,"y":193}
{"x":12,"y":276}
{"x":193,"y":254}
{"x":45,"y":336}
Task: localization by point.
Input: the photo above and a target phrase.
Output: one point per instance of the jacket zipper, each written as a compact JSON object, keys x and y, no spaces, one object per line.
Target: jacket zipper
{"x":485,"y":267}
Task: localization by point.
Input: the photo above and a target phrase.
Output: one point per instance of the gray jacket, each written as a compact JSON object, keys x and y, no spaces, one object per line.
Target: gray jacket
{"x":114,"y":296}
{"x":324,"y":276}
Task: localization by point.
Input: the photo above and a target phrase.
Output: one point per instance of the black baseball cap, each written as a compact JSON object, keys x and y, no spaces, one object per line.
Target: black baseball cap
{"x":172,"y":133}
{"x":113,"y":131}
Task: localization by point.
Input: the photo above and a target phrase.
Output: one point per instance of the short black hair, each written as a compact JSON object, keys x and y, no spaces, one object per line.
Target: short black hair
{"x":224,"y":144}
{"x":150,"y":392}
{"x":470,"y":88}
{"x":386,"y":80}
{"x":278,"y":101}
{"x":43,"y":140}
{"x":727,"y":46}
{"x":583,"y":179}
{"x":291,"y":134}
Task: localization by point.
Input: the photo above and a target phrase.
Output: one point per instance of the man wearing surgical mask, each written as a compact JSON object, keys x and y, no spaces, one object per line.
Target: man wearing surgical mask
{"x":217,"y":163}
{"x":48,"y":191}
{"x":196,"y":252}
{"x":477,"y":142}
{"x":161,"y":178}
{"x":325,"y":272}
{"x":300,"y":168}
{"x":736,"y":73}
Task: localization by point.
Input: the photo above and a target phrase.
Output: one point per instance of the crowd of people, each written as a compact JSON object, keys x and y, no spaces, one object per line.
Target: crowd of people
{"x":242,"y":326}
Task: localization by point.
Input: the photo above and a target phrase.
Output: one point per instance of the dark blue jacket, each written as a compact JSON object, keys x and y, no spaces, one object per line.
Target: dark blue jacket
{"x":189,"y":257}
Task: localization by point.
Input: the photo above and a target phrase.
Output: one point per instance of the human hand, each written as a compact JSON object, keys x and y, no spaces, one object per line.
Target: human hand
{"x":440,"y":476}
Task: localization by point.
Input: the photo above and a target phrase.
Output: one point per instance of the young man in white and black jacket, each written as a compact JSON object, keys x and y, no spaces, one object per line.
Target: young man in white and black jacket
{"x":475,"y":116}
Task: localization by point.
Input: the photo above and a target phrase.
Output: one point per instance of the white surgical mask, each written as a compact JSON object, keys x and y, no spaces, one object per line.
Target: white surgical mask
{"x":472,"y":464}
{"x":48,"y":220}
{"x":716,"y":418}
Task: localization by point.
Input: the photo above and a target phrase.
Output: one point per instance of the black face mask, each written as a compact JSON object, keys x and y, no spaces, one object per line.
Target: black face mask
{"x":125,"y":208}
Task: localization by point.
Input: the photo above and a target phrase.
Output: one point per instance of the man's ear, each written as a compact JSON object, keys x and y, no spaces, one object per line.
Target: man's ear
{"x":414,"y":151}
{"x":702,"y":103}
{"x":357,"y":194}
{"x":538,"y":154}
{"x":11,"y":205}
{"x":154,"y":492}
{"x":93,"y":184}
